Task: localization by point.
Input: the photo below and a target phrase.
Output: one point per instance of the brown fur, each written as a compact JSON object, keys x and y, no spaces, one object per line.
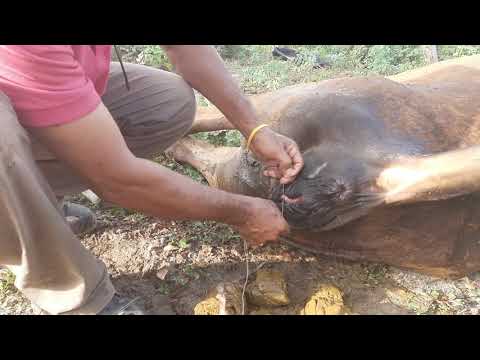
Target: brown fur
{"x":436,"y":107}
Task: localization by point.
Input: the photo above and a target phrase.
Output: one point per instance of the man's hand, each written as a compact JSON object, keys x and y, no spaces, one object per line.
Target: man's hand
{"x":263,"y":223}
{"x":279,"y":154}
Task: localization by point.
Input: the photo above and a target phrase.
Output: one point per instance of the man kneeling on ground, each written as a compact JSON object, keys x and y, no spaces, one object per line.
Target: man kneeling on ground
{"x":73,"y":120}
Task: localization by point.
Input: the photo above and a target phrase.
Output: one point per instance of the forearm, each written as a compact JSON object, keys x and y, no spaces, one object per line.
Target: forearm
{"x":102,"y":157}
{"x":204,"y":70}
{"x":155,"y":190}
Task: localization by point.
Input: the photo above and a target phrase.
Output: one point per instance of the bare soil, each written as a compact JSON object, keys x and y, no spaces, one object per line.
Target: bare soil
{"x":183,"y":261}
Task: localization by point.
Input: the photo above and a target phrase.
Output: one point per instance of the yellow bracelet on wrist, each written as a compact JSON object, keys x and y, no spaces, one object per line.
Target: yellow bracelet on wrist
{"x":253,"y":133}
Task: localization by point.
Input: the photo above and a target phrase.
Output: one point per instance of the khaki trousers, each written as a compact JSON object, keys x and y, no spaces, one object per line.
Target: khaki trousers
{"x":51,"y":266}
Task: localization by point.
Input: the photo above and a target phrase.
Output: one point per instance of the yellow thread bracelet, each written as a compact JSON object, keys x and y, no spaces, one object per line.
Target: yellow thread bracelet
{"x":254,"y":132}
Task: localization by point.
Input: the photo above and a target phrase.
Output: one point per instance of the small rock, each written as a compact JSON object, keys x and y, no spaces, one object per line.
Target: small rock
{"x":327,"y":300}
{"x":209,"y":306}
{"x":268,"y":289}
{"x":163,"y":231}
{"x":225,"y":299}
{"x":169,"y":248}
{"x":286,"y":256}
{"x":409,"y":300}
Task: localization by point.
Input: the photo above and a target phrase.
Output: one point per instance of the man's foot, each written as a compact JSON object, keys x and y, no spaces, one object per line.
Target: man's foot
{"x":122,"y":306}
{"x":80,"y":218}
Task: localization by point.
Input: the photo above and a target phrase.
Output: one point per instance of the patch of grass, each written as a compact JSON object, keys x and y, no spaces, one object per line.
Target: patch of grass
{"x":232,"y":51}
{"x":452,"y":51}
{"x":117,"y":211}
{"x":163,"y":288}
{"x":183,"y":243}
{"x":179,"y":279}
{"x":189,"y":271}
{"x":193,"y":173}
{"x":206,"y":232}
{"x":7,"y":280}
{"x":184,"y":169}
{"x":201,"y":100}
{"x":136,"y":217}
{"x":7,"y":287}
{"x":156,"y":57}
{"x":150,"y":55}
{"x":262,"y":73}
{"x":221,"y":138}
{"x":376,"y":273}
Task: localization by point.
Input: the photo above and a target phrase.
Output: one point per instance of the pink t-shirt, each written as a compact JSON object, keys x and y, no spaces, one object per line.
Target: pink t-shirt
{"x":53,"y":84}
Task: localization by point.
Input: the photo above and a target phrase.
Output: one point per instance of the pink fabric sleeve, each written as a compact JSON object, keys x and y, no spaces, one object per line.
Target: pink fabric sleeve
{"x":45,"y":84}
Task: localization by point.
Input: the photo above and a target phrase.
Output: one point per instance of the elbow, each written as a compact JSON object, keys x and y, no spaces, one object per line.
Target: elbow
{"x":114,"y":184}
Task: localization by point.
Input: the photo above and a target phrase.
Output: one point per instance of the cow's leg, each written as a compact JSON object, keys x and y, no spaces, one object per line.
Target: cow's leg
{"x":203,"y":156}
{"x":209,"y":119}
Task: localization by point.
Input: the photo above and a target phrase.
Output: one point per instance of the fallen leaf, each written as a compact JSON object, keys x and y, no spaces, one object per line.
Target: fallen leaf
{"x":161,"y":274}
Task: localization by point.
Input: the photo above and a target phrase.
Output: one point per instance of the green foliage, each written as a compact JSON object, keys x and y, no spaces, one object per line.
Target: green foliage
{"x":393,"y":59}
{"x":7,"y":280}
{"x":363,"y":59}
{"x":150,"y":55}
{"x":156,"y":57}
{"x":263,"y":71}
{"x":183,"y":243}
{"x":221,"y":138}
{"x":130,"y":53}
{"x":184,"y":169}
{"x":451,"y":51}
{"x":260,"y":72}
{"x":231,"y":51}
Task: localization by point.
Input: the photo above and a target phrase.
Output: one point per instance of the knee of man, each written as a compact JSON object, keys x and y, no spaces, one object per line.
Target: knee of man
{"x":187,"y":103}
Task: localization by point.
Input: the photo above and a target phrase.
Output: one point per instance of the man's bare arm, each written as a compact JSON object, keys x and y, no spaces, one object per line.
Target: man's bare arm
{"x":204,"y":70}
{"x":95,"y":148}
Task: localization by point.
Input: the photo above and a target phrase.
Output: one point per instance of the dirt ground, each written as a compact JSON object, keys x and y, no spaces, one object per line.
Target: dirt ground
{"x":183,"y":261}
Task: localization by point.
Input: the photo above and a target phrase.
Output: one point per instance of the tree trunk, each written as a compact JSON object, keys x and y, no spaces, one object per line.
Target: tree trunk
{"x":430,"y":52}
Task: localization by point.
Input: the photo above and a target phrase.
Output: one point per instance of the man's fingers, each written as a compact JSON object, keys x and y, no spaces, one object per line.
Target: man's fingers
{"x":290,"y":174}
{"x":288,"y":161}
{"x":273,"y":170}
{"x":272,"y":173}
{"x":286,"y":180}
{"x":296,"y":163}
{"x":297,"y":159}
{"x":285,"y":163}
